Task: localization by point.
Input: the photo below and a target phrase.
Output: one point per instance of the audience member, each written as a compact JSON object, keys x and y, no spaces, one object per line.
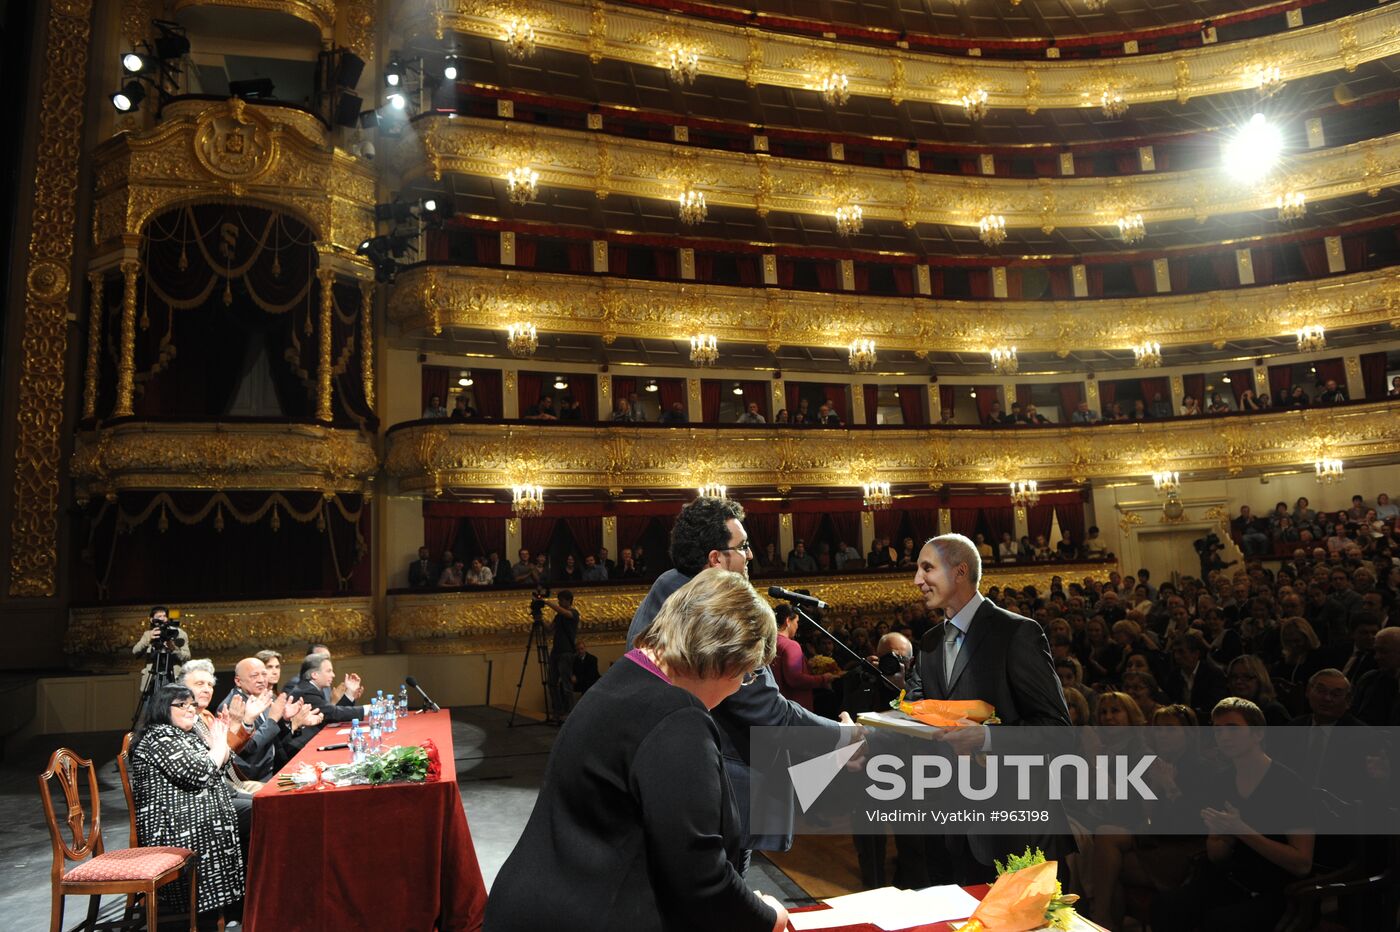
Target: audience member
{"x":434,"y":408}
{"x":423,"y":573}
{"x":799,"y":561}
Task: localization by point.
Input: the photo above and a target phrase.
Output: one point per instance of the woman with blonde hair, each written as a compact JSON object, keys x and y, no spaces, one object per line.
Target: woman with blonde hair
{"x":1248,"y":678}
{"x":635,"y":826}
{"x":1300,"y":660}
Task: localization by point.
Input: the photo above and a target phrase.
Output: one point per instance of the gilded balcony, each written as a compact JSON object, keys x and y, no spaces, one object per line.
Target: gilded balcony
{"x":318,"y":13}
{"x":137,"y":455}
{"x":430,"y":457}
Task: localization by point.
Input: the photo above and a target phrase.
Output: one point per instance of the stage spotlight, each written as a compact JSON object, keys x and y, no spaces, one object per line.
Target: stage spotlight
{"x":438,"y":208}
{"x":1255,"y":150}
{"x":129,"y":97}
{"x":393,"y":73}
{"x":397,"y":101}
{"x":430,"y":205}
{"x":251,"y":88}
{"x":451,"y":68}
{"x":135,"y":63}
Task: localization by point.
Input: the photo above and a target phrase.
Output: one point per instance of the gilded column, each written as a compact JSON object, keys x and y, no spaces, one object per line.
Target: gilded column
{"x":697,"y":408}
{"x":945,"y":521}
{"x":605,"y":399}
{"x":867,"y":531}
{"x":935,"y":404}
{"x":1261,"y":381}
{"x":126,"y":360}
{"x":512,"y":541}
{"x":1178,"y":384}
{"x":1091,"y":394}
{"x":858,"y":413}
{"x":367,"y":340}
{"x":610,"y":534}
{"x":1356,"y":385}
{"x":784,"y":535}
{"x":94,"y":350}
{"x":510,"y":395}
{"x":779,"y":397}
{"x":323,"y":363}
{"x":1020,"y":523}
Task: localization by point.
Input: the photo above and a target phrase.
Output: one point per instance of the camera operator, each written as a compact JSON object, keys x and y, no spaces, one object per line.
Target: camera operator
{"x":165,"y":644}
{"x":562,"y":651}
{"x":1208,"y":549}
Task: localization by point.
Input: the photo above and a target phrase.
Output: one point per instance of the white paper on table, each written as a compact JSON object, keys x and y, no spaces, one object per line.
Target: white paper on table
{"x":862,"y":899}
{"x":918,"y":907}
{"x":343,"y":731}
{"x":826,"y":919}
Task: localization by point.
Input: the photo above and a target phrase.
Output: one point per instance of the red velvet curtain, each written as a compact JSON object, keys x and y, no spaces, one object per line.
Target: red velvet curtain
{"x":622,"y":386}
{"x":531,"y":387}
{"x":756,"y":393}
{"x":965,"y":520}
{"x":793,"y":396}
{"x":1038,"y":518}
{"x":439,"y":533}
{"x":923,"y":523}
{"x":709,"y":400}
{"x":486,"y":389}
{"x":1000,"y":519}
{"x":828,"y":275}
{"x":1240,"y":379}
{"x":1332,"y":369}
{"x":947,"y":398}
{"x":1159,"y":385}
{"x":671,"y":391}
{"x":835,"y":396}
{"x":434,"y":383}
{"x":805,"y":525}
{"x":911,"y":404}
{"x":1280,"y":382}
{"x":1373,"y":368}
{"x":1354,"y":252}
{"x":1144,"y":280}
{"x":1314,"y":258}
{"x":587,"y":531}
{"x":872,"y":403}
{"x":584,"y":388}
{"x":1108,"y":394}
{"x":1071,"y":394}
{"x":535,"y":534}
{"x":986,"y":395}
{"x":1071,"y":516}
{"x":763,"y":530}
{"x":1195,"y":386}
{"x":630,"y":529}
{"x":887,"y":525}
{"x":1023,"y":394}
{"x":846,"y":524}
{"x":491,"y":535}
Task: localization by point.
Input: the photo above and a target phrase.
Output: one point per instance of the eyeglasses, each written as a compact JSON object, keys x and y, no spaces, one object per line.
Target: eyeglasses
{"x":746,"y":547}
{"x":185,"y":706}
{"x":750,"y":677}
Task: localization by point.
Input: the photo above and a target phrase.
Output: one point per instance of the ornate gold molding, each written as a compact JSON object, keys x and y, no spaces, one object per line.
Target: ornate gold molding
{"x":477,"y":622}
{"x":616,"y":165}
{"x":101,"y":637}
{"x":755,"y":56}
{"x":357,"y":19}
{"x":430,"y":457}
{"x":202,"y":152}
{"x":428,"y":298}
{"x":147,"y":455}
{"x":319,"y":13}
{"x":48,"y":286}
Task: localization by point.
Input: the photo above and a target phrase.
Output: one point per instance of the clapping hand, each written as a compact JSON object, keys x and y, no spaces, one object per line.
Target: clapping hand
{"x":235,"y":708}
{"x":306,"y":716}
{"x":353,"y":687}
{"x":278,"y":708}
{"x":1225,"y":821}
{"x":256,"y":706}
{"x":218,"y":729}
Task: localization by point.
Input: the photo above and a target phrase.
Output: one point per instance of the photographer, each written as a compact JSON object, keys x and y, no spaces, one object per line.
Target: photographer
{"x":1208,"y":549}
{"x":562,"y":651}
{"x":165,"y":644}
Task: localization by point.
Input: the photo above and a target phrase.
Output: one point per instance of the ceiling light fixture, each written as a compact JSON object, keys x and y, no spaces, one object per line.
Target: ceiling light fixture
{"x":862,"y":355}
{"x":1292,"y":206}
{"x":1255,"y":149}
{"x":875,"y":495}
{"x":527,"y":501}
{"x":522,"y":339}
{"x":1112,"y":104}
{"x":1004,"y":359}
{"x":1267,"y":80}
{"x":519,"y":37}
{"x":1131,"y":228}
{"x":692,"y":206}
{"x":464,"y":378}
{"x":849,"y":218}
{"x":974,"y":104}
{"x":835,"y":88}
{"x":683,"y":64}
{"x":522,"y":185}
{"x":1024,"y":493}
{"x":712,"y":490}
{"x":1312,"y":338}
{"x":1147,"y":355}
{"x":704,"y":349}
{"x":991,"y":229}
{"x":1328,"y":470}
{"x":560,"y":383}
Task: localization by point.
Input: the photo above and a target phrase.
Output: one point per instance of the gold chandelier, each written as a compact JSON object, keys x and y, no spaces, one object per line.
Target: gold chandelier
{"x":1148,"y":354}
{"x":522,"y":339}
{"x":1024,"y":493}
{"x":876,"y":495}
{"x":991,"y":229}
{"x":862,"y":355}
{"x":522,"y":184}
{"x":835,"y":87}
{"x":1311,"y":338}
{"x":1004,"y":359}
{"x":848,"y":219}
{"x":1167,"y":482}
{"x":712,"y":490}
{"x":1292,"y":205}
{"x":704,"y":349}
{"x":692,"y":206}
{"x":683,"y":64}
{"x":1268,"y":80}
{"x":519,"y":37}
{"x":1131,"y":228}
{"x":1112,"y":104}
{"x":527,"y":501}
{"x":1095,"y":5}
{"x":1328,"y":470}
{"x":974,"y":104}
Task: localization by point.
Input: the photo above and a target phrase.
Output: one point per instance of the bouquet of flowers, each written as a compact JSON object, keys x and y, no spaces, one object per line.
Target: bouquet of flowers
{"x":821,"y":663}
{"x":411,"y":764}
{"x":1026,"y":896}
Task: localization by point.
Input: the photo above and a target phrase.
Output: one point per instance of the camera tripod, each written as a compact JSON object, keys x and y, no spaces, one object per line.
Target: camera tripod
{"x":162,"y":663}
{"x":540,"y":643}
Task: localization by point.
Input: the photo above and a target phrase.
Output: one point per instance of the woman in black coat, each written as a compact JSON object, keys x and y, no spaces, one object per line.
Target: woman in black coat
{"x":635,"y":826}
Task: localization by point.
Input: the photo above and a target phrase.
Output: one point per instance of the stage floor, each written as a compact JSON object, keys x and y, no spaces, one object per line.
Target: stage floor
{"x":498,"y":772}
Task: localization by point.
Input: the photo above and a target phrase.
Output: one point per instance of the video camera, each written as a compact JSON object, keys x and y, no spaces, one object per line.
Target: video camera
{"x":166,"y":632}
{"x":1207,"y":544}
{"x":538,"y":600}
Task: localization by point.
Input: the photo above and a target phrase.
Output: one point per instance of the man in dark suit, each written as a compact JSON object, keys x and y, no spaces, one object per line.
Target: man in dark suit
{"x":982,"y":652}
{"x":1197,"y":681}
{"x":317,"y":675}
{"x":423,"y":573}
{"x":1338,"y":767}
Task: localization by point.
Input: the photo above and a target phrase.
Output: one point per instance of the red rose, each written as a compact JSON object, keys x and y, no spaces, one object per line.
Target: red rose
{"x":434,"y":762}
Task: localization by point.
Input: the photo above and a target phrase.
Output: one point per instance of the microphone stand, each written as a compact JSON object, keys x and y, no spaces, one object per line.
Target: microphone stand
{"x":841,"y":644}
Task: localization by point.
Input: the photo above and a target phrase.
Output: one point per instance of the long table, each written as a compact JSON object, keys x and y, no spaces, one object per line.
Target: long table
{"x":396,"y":857}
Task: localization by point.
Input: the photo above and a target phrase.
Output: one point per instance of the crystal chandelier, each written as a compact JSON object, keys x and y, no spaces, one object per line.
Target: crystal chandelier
{"x":862,"y":356}
{"x":991,"y":229}
{"x":522,"y":339}
{"x":519,"y":37}
{"x":1148,"y":354}
{"x":1268,"y":80}
{"x":835,"y":88}
{"x":1166,"y":482}
{"x":692,"y":210}
{"x":683,"y":64}
{"x":1024,"y":493}
{"x":1311,"y":338}
{"x":704,"y":349}
{"x":1112,"y":104}
{"x":712,"y":490}
{"x":876,"y":495}
{"x":1131,"y":228}
{"x":1292,"y":205}
{"x":974,"y":104}
{"x":848,"y":219}
{"x":522,"y":184}
{"x":1095,"y":5}
{"x":527,"y":501}
{"x":1004,"y":359}
{"x":1328,"y":470}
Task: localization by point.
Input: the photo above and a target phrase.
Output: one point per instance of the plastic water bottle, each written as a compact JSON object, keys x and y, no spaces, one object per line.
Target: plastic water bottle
{"x":403,"y":700}
{"x":357,"y":742}
{"x":391,"y":720}
{"x":376,"y":737}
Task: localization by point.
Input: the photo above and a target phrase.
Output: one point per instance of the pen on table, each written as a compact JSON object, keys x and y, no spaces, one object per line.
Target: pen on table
{"x":333,"y":747}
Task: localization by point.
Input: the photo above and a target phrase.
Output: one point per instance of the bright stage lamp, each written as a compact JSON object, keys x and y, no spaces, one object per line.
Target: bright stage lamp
{"x":1255,"y":150}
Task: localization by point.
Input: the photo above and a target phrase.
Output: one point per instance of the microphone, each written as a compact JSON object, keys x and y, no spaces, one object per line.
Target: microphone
{"x":797,"y":598}
{"x":410,"y":681}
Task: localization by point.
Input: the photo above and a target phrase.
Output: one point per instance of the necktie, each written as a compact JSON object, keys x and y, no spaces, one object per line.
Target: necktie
{"x":951,"y":636}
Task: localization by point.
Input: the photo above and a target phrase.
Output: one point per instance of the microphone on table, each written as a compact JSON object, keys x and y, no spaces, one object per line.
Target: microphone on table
{"x":800,"y":600}
{"x":414,"y":683}
{"x":797,"y":598}
{"x":333,"y":747}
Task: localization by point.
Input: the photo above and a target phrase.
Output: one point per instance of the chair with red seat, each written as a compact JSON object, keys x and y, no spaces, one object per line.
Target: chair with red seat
{"x":127,"y":871}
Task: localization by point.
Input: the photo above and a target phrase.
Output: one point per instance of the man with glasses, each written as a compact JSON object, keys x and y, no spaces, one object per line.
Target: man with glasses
{"x":710,"y":532}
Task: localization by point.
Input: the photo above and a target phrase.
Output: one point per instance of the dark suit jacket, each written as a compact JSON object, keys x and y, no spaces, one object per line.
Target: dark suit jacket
{"x":1208,"y":688}
{"x":312,"y":695}
{"x":635,"y":826}
{"x":419,"y":578}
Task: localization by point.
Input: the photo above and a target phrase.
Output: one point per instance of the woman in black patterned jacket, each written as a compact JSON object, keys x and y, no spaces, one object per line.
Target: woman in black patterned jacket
{"x":182,"y":800}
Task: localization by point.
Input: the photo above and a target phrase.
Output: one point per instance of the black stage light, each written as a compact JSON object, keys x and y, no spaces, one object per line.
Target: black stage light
{"x":451,"y":67}
{"x":260,"y":88}
{"x":438,"y":208}
{"x":348,"y":68}
{"x":135,"y":63}
{"x":347,"y":109}
{"x":397,"y":211}
{"x":129,"y":97}
{"x":393,"y":73}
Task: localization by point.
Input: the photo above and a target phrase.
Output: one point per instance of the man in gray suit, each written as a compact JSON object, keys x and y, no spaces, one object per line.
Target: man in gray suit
{"x":710,"y":532}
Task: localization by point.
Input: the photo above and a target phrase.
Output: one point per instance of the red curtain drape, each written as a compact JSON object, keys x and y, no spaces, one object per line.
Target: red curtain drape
{"x":947,"y":398}
{"x":911,"y":404}
{"x":709,"y":400}
{"x":1314,"y":258}
{"x":1071,"y":394}
{"x":1373,"y":368}
{"x":1158,"y":386}
{"x":965,"y":520}
{"x":1038,"y":518}
{"x":630,"y":529}
{"x":1240,"y":379}
{"x":671,"y":391}
{"x":835,"y":396}
{"x":872,"y":403}
{"x":584,"y":388}
{"x":923,"y":523}
{"x":1144,"y":281}
{"x":1354,"y":252}
{"x":828,"y":275}
{"x":434,"y":383}
{"x":531,"y":387}
{"x":805,"y":525}
{"x":1280,"y":382}
{"x":1071,"y":516}
{"x":622,"y":386}
{"x":1195,"y":386}
{"x":491,"y":535}
{"x":587,"y":531}
{"x":438,"y":535}
{"x":1108,"y":394}
{"x":486,"y":390}
{"x":986,"y":394}
{"x":763,"y":530}
{"x":535,"y":534}
{"x":756,"y":393}
{"x":1023,"y":394}
{"x":1332,"y":369}
{"x":793,"y":396}
{"x":1000,"y":519}
{"x":887,"y":525}
{"x":846,"y":524}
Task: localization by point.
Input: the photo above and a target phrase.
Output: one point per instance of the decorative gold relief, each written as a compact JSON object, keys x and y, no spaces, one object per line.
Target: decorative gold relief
{"x":100,"y":638}
{"x":139,"y":455}
{"x":426,"y":299}
{"x":44,"y":333}
{"x":423,"y":458}
{"x":319,"y":13}
{"x":357,"y":17}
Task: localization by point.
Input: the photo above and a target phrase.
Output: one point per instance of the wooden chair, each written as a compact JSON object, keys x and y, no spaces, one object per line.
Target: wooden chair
{"x":127,"y":871}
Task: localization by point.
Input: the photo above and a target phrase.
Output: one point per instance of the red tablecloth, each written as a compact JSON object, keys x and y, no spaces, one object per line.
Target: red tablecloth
{"x":367,"y":857}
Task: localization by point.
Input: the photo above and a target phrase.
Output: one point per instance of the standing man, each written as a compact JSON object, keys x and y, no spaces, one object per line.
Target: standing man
{"x":562,"y":652}
{"x":981,"y":651}
{"x":710,"y":532}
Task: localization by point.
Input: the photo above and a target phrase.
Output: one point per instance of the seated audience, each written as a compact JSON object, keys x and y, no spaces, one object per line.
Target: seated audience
{"x":423,"y":573}
{"x":434,"y":408}
{"x":751,"y":415}
{"x":674,"y":414}
{"x":1083,"y":414}
{"x":593,"y":571}
{"x":585,"y":668}
{"x":479,"y":574}
{"x":1332,"y":394}
{"x":1190,"y":407}
{"x":1248,"y":678}
{"x":543,"y":410}
{"x":452,"y":575}
{"x":800,"y":561}
{"x":463,"y":411}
